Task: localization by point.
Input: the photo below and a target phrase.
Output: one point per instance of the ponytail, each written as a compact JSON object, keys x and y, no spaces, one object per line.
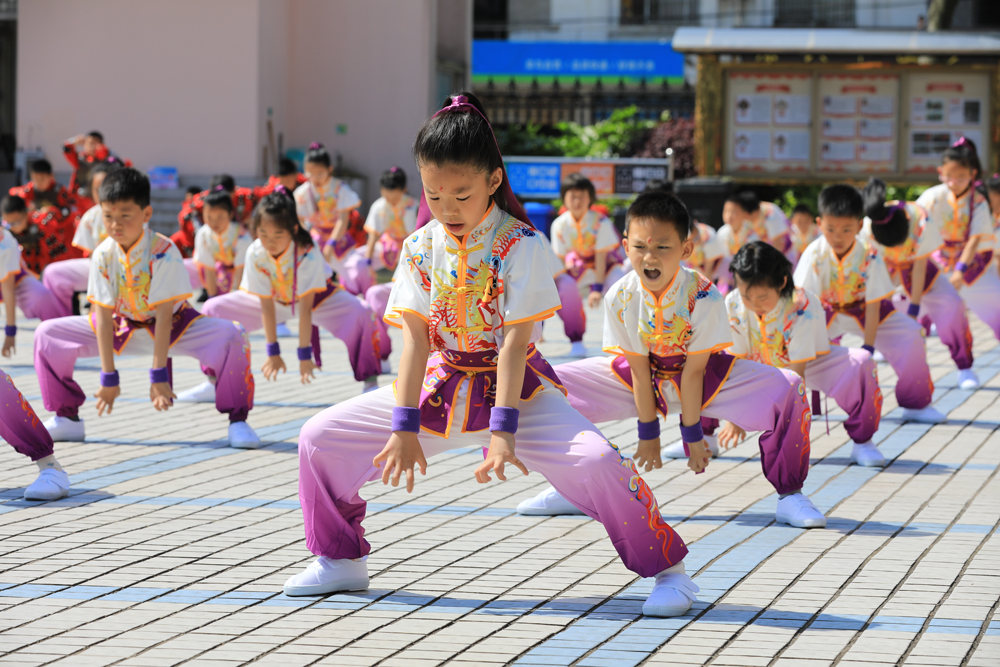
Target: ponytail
{"x":890,"y":224}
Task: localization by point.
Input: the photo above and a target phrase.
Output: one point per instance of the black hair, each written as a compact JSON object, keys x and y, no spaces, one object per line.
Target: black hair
{"x":393,"y":178}
{"x":577,"y":181}
{"x":746,"y":200}
{"x":803,"y":208}
{"x":318,"y":154}
{"x":41,"y":166}
{"x":280,"y":207}
{"x":287,"y":167}
{"x":13,"y":204}
{"x":193,"y":190}
{"x":104,"y":168}
{"x":94,"y":134}
{"x":462,"y":138}
{"x":841,"y":201}
{"x":225,"y":180}
{"x":965,"y":154}
{"x":889,"y":232}
{"x":662,"y":207}
{"x":658,"y":184}
{"x":760,"y":263}
{"x":126,"y":184}
{"x":219,"y":198}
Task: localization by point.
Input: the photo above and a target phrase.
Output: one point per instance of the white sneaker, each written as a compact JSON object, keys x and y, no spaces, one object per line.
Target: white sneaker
{"x":934,"y":330}
{"x":283,"y":331}
{"x":64,"y":429}
{"x":867,"y":454}
{"x":386,"y":367}
{"x":547,"y":503}
{"x":203,"y":393}
{"x":928,"y":415}
{"x":241,"y":436}
{"x":578,"y":349}
{"x":968,"y":380}
{"x":326,"y":575}
{"x":371,"y":384}
{"x":676,"y":450}
{"x":673,"y":594}
{"x":797,"y":510}
{"x":878,"y":357}
{"x":51,"y":484}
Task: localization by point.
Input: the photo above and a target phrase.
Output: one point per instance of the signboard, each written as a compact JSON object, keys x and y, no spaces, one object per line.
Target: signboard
{"x":653,"y":61}
{"x":941,"y":108}
{"x":768,"y":122}
{"x":857,"y":123}
{"x":540,"y":177}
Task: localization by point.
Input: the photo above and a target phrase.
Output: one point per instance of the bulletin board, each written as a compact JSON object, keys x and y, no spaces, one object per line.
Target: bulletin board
{"x":858,"y":123}
{"x":941,"y":108}
{"x":768,"y":121}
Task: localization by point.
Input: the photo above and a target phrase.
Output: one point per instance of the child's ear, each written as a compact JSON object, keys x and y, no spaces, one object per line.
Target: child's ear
{"x":625,"y":244}
{"x":687,"y":248}
{"x":147,"y":214}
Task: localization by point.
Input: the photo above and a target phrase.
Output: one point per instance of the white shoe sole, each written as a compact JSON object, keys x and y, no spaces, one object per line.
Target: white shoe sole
{"x":45,"y":497}
{"x":321,"y":589}
{"x":246,"y":445}
{"x":547,"y":511}
{"x":664,"y":612}
{"x":815,"y":523}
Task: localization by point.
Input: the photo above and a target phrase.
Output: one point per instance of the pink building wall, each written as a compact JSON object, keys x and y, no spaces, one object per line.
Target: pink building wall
{"x":188,"y":83}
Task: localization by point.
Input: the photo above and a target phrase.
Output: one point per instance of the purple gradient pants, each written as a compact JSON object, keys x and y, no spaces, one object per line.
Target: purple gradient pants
{"x":36,"y":301}
{"x":377,"y":298}
{"x":220,"y":346}
{"x":755,"y":397}
{"x":945,"y":308}
{"x":336,"y":448}
{"x":64,"y":278}
{"x":194,"y":275}
{"x":983,"y":298}
{"x":342,"y":314}
{"x":849,"y":377}
{"x":572,"y":314}
{"x":19,"y":425}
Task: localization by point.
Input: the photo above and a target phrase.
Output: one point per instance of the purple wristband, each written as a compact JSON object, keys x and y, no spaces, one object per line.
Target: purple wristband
{"x":597,"y":287}
{"x":913,"y":309}
{"x":10,"y":330}
{"x":109,"y":379}
{"x":157,"y":375}
{"x":504,"y":419}
{"x":305,"y":353}
{"x":871,"y":349}
{"x":962,"y":266}
{"x":406,"y":419}
{"x":648,"y":430}
{"x":692,"y":433}
{"x":273,"y":349}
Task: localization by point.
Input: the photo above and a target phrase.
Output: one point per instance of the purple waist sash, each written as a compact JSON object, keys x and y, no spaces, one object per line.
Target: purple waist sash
{"x":947,"y":256}
{"x":124,"y":327}
{"x":448,"y":369}
{"x":224,"y":277}
{"x":577,"y":264}
{"x":391,"y":248}
{"x":856,"y":310}
{"x":905,"y":274}
{"x":668,"y":369}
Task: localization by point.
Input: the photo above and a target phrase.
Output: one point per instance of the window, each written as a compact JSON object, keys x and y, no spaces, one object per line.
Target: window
{"x":651,"y":12}
{"x":814,"y":14}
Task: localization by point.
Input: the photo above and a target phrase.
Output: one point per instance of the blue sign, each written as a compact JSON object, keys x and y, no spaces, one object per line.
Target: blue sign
{"x":576,"y":59}
{"x":534,"y":178}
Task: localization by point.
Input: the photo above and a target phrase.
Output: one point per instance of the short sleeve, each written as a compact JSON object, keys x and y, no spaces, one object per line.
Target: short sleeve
{"x":737,"y":324}
{"x":411,"y":286}
{"x":930,"y":232}
{"x":100,"y":289}
{"x":712,"y":247}
{"x":806,"y":272}
{"x":878,"y":283}
{"x":607,"y":236}
{"x":375,"y":222}
{"x":927,"y":199}
{"x":10,"y":255}
{"x":529,"y":293}
{"x":560,"y":244}
{"x":808,"y":338}
{"x":724,"y":237}
{"x":243,"y":242}
{"x":84,"y":237}
{"x":775,"y":222}
{"x":303,"y":202}
{"x":311,"y":273}
{"x":347,"y":198}
{"x":618,"y":336}
{"x":204,"y":254}
{"x":256,"y":280}
{"x":710,"y":331}
{"x":981,"y":224}
{"x":169,"y":280}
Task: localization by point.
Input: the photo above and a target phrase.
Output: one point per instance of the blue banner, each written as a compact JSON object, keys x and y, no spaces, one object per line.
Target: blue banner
{"x":534,"y":178}
{"x":576,"y":59}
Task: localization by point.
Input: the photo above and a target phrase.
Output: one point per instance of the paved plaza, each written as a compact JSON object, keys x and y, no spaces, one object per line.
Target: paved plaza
{"x":172,"y":548}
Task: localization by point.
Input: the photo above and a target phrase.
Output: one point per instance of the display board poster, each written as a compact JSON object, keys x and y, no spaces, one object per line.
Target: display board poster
{"x":942,"y":108}
{"x":600,"y":174}
{"x":858,"y":130}
{"x":768,"y":122}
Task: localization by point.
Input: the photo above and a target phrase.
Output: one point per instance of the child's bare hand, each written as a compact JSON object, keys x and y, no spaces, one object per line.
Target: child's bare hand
{"x":272,"y":367}
{"x":700,"y":456}
{"x":161,"y":395}
{"x":594,"y":299}
{"x":400,"y":455}
{"x":731,"y":435}
{"x":307,"y":369}
{"x":106,"y":399}
{"x":8,"y":346}
{"x":648,"y":454}
{"x":501,"y":453}
{"x":957,"y":279}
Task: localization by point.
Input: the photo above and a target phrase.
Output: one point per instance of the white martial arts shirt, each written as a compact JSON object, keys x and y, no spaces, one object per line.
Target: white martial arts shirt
{"x":793,"y":332}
